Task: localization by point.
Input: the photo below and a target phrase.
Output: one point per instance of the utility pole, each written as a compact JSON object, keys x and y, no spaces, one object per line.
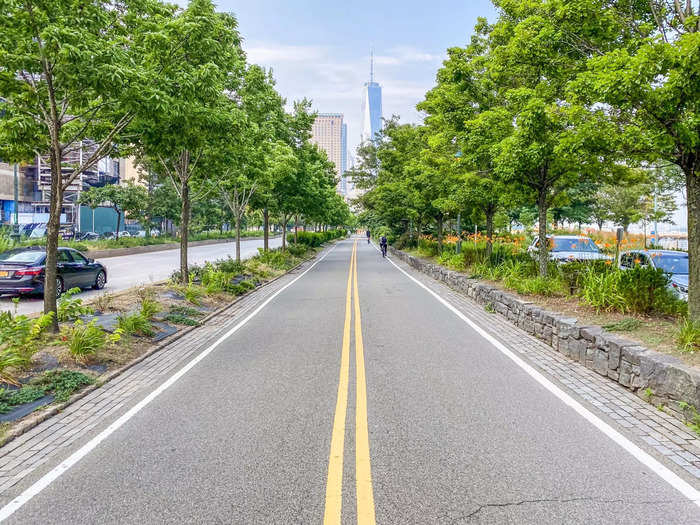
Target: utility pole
{"x":458,"y":248}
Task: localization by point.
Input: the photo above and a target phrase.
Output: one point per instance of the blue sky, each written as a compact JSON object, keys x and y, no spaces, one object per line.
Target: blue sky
{"x":320,"y":49}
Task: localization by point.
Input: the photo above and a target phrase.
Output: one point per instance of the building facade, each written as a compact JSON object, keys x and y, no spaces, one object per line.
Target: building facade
{"x":371,"y":107}
{"x":330,"y":133}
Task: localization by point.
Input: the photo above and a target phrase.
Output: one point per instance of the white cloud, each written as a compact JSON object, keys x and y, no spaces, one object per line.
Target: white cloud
{"x":272,"y":54}
{"x":334,"y":81}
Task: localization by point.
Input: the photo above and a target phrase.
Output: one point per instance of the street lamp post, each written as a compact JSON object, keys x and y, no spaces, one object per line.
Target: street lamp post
{"x":15,"y":234}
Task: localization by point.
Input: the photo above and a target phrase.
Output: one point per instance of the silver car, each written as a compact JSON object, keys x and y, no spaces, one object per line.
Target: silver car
{"x":570,"y":248}
{"x":674,"y":263}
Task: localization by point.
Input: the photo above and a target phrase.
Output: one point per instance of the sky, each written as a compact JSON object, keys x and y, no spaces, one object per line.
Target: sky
{"x":320,"y":49}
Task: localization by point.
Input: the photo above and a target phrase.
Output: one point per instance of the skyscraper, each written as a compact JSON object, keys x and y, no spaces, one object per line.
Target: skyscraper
{"x":330,"y":133}
{"x":371,"y":106}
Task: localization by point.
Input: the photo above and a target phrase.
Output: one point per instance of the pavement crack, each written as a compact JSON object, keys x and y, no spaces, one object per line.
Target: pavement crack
{"x":481,"y":507}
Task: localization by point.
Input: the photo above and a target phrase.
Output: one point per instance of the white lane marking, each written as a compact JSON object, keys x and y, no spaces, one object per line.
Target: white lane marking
{"x":79,"y":454}
{"x":643,"y":457}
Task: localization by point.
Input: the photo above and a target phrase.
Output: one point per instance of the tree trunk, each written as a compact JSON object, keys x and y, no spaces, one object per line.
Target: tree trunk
{"x":238,"y":238}
{"x":184,"y":227}
{"x":542,"y":234}
{"x":296,"y":229}
{"x":52,"y":230}
{"x":266,"y":229}
{"x":489,"y":212}
{"x":693,"y":190}
{"x":284,"y":232}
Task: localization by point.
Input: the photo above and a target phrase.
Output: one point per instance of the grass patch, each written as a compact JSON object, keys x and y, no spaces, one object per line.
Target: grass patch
{"x":629,"y":324}
{"x":688,"y":337}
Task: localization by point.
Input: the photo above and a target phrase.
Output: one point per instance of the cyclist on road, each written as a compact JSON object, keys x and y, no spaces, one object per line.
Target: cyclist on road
{"x":383,"y":245}
{"x":368,"y":236}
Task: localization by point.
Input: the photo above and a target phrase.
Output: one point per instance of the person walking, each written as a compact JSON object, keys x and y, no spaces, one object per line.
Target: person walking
{"x":368,"y":236}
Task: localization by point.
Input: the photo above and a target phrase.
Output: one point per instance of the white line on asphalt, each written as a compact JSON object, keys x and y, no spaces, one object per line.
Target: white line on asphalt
{"x":643,"y":457}
{"x":79,"y":454}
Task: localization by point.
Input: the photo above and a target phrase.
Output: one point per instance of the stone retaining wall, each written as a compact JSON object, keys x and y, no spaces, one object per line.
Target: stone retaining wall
{"x":624,"y":361}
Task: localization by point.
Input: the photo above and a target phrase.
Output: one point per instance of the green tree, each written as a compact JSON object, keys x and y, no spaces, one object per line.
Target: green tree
{"x":645,"y":70}
{"x":184,"y":130}
{"x":128,"y":199}
{"x":71,"y":75}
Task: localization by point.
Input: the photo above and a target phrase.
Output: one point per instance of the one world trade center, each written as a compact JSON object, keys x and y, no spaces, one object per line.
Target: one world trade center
{"x":371,"y":107}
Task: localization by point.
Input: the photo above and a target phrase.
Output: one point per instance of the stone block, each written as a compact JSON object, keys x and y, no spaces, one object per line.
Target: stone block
{"x":600,"y":363}
{"x":589,"y":333}
{"x":566,"y":327}
{"x":631,"y":354}
{"x":668,"y":377}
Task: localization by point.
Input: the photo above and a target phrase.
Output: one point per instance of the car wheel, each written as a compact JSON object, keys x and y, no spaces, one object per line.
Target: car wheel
{"x":100,"y":281}
{"x":59,"y":287}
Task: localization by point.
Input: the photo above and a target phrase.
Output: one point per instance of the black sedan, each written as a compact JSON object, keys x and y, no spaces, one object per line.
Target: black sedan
{"x":22,"y":271}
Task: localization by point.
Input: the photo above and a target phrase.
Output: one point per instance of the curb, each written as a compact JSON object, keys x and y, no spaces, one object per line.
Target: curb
{"x":135,"y":250}
{"x":42,"y":415}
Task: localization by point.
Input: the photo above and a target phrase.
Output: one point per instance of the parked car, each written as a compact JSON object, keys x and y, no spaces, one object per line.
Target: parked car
{"x":87,"y":236}
{"x":674,"y":263}
{"x":113,"y":235}
{"x":570,"y":248}
{"x":142,"y":233}
{"x":22,"y":271}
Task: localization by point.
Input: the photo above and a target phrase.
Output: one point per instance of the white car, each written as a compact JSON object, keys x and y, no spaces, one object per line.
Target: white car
{"x":570,"y":248}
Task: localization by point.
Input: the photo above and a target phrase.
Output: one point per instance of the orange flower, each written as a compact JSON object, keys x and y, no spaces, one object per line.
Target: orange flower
{"x":608,"y":263}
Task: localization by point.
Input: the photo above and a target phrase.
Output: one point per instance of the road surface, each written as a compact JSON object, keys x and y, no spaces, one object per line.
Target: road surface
{"x":354,"y":396}
{"x":127,"y":271}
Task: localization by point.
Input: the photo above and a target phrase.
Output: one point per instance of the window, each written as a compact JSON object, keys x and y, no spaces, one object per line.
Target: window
{"x":626,"y":261}
{"x":78,"y":257}
{"x":63,"y":257}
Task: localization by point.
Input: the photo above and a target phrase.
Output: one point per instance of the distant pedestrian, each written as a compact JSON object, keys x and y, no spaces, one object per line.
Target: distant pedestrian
{"x":368,"y":236}
{"x":383,"y":245}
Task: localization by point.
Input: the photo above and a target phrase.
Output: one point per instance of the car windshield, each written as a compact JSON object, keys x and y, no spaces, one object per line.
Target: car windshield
{"x":574,"y":245}
{"x":21,"y":256}
{"x":671,"y":263}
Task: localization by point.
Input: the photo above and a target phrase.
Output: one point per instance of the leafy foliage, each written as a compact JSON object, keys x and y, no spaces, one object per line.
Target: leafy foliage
{"x":69,"y":308}
{"x":86,"y":339}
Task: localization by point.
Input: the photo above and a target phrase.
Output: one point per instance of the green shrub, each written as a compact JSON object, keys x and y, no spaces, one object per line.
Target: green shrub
{"x":297,"y":250}
{"x":645,"y":290}
{"x":69,"y":308}
{"x":86,"y":339}
{"x":602,"y":290}
{"x":6,"y":242}
{"x":688,"y":336}
{"x":135,"y":324}
{"x":62,"y":383}
{"x":19,"y":336}
{"x":185,"y":310}
{"x":230,"y":265}
{"x":181,"y":319}
{"x":13,"y":398}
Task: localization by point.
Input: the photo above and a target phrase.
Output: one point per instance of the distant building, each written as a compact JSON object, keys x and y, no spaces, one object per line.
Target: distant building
{"x":330,"y":133}
{"x":371,"y":107}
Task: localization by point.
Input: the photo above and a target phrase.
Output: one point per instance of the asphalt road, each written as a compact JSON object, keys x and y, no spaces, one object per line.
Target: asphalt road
{"x":457,"y":432}
{"x":127,"y":271}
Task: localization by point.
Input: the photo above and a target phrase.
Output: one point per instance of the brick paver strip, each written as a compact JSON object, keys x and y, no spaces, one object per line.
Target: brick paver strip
{"x":607,"y":399}
{"x":54,"y":436}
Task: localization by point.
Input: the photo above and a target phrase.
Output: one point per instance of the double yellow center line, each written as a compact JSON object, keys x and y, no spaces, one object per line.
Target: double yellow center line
{"x":363,"y":471}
